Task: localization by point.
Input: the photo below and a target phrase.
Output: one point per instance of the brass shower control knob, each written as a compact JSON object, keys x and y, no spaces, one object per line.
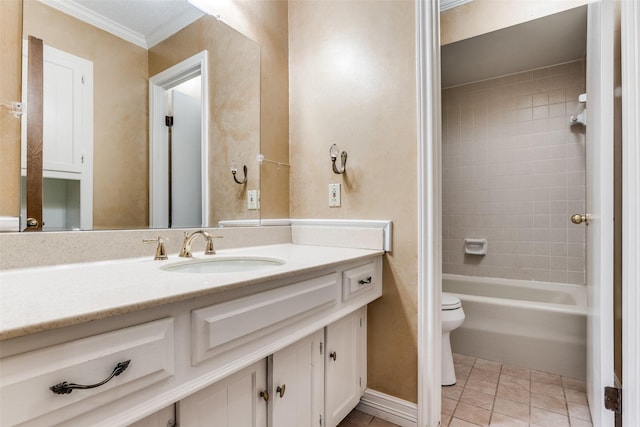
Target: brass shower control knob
{"x":579,"y":219}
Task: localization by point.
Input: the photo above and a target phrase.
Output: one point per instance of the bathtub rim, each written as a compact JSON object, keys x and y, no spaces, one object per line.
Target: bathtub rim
{"x":578,"y":291}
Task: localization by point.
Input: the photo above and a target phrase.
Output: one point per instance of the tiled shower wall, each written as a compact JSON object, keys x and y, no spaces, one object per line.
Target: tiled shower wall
{"x":513,"y":173}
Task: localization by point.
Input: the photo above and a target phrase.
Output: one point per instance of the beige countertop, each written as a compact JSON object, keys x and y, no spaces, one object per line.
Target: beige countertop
{"x":38,"y":299}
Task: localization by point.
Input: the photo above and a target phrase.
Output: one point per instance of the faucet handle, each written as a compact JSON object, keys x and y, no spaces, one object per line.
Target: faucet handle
{"x":209,"y":248}
{"x":161,"y":250}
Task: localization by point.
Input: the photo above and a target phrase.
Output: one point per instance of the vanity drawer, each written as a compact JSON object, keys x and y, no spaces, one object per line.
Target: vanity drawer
{"x":359,"y":280}
{"x":25,"y":393}
{"x":230,"y":325}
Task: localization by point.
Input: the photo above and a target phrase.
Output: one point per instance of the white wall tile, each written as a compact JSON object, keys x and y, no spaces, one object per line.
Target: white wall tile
{"x":513,"y":172}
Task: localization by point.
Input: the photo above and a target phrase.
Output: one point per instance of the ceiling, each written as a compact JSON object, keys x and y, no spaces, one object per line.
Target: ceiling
{"x":143,"y":22}
{"x":542,"y":42}
{"x":550,"y":40}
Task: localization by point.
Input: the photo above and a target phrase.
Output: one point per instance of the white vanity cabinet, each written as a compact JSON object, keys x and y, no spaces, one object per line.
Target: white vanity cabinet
{"x":323,"y":373}
{"x":345,"y":365}
{"x":234,"y":401}
{"x":297,"y":383}
{"x":299,"y":338}
{"x":45,"y":386}
{"x":165,"y":417}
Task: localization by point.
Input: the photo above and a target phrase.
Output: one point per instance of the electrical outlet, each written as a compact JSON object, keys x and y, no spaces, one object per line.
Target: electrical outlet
{"x":334,"y":195}
{"x":252,"y":199}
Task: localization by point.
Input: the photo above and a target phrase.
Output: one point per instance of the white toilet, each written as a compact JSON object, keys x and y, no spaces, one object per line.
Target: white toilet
{"x":452,"y":317}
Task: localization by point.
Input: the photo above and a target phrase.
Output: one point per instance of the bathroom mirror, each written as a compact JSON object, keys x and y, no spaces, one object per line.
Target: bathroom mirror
{"x":122,"y":68}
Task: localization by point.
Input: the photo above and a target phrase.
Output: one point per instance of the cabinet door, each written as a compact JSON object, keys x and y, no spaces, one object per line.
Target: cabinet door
{"x":163,"y":418}
{"x":232,"y":402}
{"x":297,"y":386}
{"x":67,"y":116}
{"x":344,"y":366}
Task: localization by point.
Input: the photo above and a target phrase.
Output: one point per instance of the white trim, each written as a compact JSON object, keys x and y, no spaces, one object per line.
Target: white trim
{"x":275,"y":221}
{"x":335,"y":232}
{"x":429,"y":212}
{"x":450,"y":4}
{"x":9,"y":224}
{"x":600,"y":201}
{"x":158,"y":85}
{"x":385,"y":225}
{"x":89,"y":16}
{"x":240,"y":223}
{"x":397,"y":411}
{"x":86,"y":182}
{"x":169,"y":28}
{"x":630,"y":39}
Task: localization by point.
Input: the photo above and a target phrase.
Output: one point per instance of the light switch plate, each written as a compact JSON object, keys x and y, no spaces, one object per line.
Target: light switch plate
{"x":334,"y":195}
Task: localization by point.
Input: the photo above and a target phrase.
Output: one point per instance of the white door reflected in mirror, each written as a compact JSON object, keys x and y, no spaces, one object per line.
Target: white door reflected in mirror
{"x":67,"y":141}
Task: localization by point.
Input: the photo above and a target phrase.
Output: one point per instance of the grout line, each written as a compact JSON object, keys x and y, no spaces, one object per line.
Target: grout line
{"x":501,"y":372}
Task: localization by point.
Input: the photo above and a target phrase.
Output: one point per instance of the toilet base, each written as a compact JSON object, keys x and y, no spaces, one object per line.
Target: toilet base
{"x":448,"y":370}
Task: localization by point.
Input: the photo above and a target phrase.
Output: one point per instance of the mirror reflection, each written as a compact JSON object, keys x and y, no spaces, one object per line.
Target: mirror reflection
{"x":158,"y":147}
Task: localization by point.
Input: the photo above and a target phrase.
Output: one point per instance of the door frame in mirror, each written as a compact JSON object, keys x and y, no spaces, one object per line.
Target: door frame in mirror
{"x":158,"y":138}
{"x":82,"y":138}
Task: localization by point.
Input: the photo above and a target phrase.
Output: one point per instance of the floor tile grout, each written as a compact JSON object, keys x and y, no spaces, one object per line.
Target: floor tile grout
{"x":474,"y":410}
{"x":547,"y":404}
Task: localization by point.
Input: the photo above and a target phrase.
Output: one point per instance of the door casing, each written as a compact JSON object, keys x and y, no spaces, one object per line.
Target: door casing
{"x":158,"y":139}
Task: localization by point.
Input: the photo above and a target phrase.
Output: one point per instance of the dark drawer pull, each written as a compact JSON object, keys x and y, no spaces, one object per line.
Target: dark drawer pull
{"x":365,"y":282}
{"x":66,"y":388}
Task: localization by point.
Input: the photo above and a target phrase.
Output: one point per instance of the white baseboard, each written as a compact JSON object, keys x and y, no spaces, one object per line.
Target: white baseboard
{"x":389,"y":408}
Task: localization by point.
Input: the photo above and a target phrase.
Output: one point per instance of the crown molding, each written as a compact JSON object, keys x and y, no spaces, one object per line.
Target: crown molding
{"x":450,"y":4}
{"x":87,"y":15}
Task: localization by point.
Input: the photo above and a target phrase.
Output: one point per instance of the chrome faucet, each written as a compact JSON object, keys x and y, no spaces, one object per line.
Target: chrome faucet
{"x":209,"y":249}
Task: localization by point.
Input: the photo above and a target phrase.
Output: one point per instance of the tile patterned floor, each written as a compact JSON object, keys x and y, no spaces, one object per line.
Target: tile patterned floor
{"x":360,"y":419}
{"x":491,"y":394}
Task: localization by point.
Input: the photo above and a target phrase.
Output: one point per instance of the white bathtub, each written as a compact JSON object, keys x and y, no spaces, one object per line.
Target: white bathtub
{"x":536,"y":325}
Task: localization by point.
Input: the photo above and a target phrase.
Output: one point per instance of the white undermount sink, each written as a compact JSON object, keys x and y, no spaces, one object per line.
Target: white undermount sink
{"x":224,"y":265}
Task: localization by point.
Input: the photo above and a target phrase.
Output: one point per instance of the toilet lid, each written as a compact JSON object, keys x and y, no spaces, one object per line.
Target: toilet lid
{"x":450,"y":302}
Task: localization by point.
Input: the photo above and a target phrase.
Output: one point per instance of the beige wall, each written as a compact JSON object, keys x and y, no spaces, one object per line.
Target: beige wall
{"x":121,"y":200}
{"x":234,"y":108}
{"x":120,"y":167}
{"x":266,"y":22}
{"x":513,"y":173}
{"x":483,"y":16}
{"x":352,"y":82}
{"x":10,"y":87}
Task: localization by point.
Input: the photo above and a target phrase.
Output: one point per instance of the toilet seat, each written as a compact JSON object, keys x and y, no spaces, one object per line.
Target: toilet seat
{"x":450,"y":302}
